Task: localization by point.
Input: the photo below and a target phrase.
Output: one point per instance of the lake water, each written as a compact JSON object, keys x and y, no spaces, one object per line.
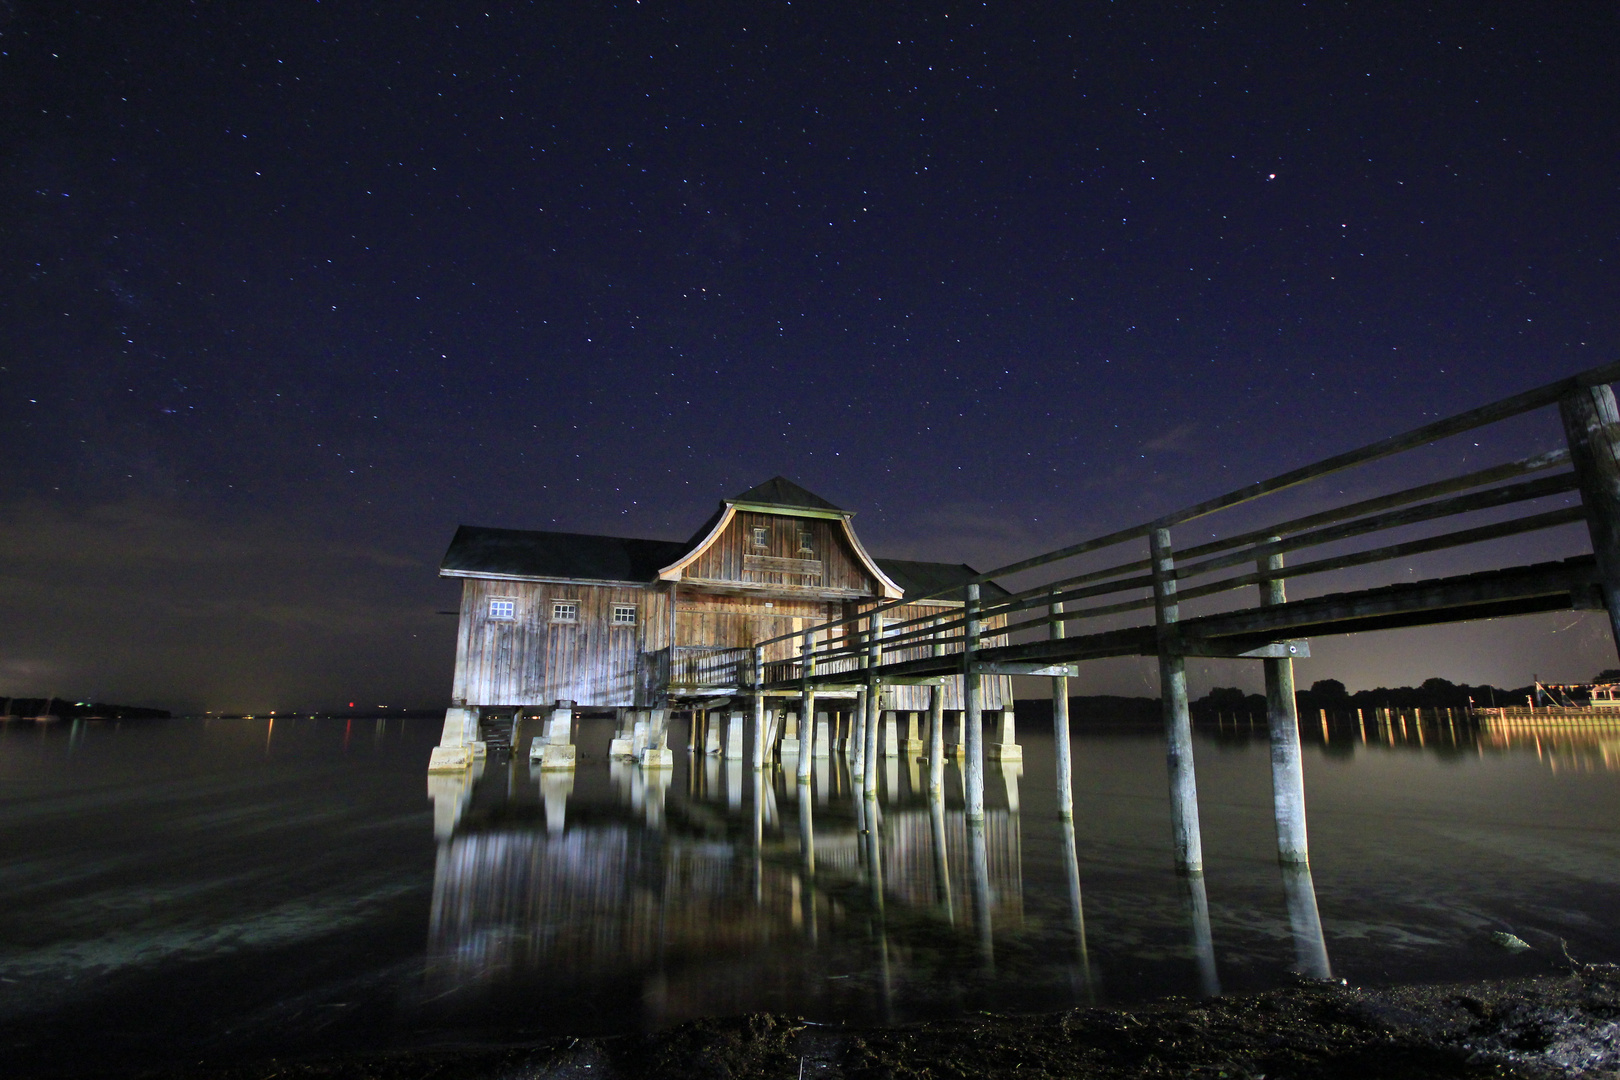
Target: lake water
{"x":190,"y":891}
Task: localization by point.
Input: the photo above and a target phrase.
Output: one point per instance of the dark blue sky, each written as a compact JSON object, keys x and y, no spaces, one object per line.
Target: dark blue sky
{"x":291,"y":289}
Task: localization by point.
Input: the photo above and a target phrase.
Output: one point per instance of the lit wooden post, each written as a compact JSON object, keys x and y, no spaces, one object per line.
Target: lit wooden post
{"x":1592,"y":426}
{"x":807,"y":706}
{"x":1177,"y":722}
{"x":936,"y":724}
{"x":757,"y":758}
{"x":1060,"y":722}
{"x":1287,"y":771}
{"x":855,"y":744}
{"x":874,"y":702}
{"x":972,"y":721}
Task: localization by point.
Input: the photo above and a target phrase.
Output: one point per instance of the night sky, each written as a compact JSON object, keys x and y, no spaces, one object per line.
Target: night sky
{"x":291,"y":289}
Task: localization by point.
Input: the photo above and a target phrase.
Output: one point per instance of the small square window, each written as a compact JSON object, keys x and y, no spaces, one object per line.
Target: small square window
{"x":503,"y":609}
{"x":565,"y":611}
{"x":624,"y":614}
{"x":762,"y":536}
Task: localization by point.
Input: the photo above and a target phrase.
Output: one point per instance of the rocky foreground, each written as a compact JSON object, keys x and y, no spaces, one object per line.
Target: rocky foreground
{"x":1545,"y":1027}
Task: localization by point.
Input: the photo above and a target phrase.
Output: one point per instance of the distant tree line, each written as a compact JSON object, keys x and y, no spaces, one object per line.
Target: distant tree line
{"x":1329,"y":694}
{"x":76,"y":710}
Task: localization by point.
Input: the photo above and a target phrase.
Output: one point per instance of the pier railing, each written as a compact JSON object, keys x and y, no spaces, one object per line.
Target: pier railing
{"x":1132,"y":606}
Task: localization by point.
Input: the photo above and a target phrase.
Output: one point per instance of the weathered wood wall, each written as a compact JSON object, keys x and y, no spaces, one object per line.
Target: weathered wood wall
{"x":532,"y":660}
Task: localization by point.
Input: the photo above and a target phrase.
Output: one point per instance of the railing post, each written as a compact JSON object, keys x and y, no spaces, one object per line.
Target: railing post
{"x":972,"y":721}
{"x":874,"y":701}
{"x":807,"y":706}
{"x":1592,"y":426}
{"x":936,"y":727}
{"x":1060,"y":722}
{"x":1282,"y":718}
{"x":855,"y":741}
{"x":1177,"y":723}
{"x":758,"y":755}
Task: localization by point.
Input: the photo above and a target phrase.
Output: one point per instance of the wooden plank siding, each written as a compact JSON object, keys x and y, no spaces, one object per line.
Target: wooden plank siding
{"x":783,"y":564}
{"x":532,"y":660}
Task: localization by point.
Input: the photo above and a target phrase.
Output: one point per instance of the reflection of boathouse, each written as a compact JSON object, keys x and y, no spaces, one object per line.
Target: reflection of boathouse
{"x":608,"y":621}
{"x":576,"y":898}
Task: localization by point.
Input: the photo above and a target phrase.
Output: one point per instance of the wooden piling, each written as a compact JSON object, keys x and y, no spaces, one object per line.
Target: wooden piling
{"x":936,"y":739}
{"x":757,"y":757}
{"x":1189,"y":851}
{"x":874,"y":703}
{"x":1287,"y":769}
{"x":807,"y":707}
{"x":972,"y":716}
{"x":1060,"y":724}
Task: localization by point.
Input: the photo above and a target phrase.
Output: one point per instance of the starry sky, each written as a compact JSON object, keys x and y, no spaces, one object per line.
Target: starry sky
{"x":290,"y":289}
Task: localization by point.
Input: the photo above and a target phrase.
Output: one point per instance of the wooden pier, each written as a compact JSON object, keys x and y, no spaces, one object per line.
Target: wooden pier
{"x":1074,"y":612}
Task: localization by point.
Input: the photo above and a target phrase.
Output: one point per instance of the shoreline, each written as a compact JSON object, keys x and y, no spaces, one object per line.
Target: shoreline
{"x":1543,"y":1026}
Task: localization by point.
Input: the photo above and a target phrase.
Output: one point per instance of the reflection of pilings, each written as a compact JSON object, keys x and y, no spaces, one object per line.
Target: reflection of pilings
{"x":450,"y":793}
{"x":880,"y":929}
{"x":1310,"y":946}
{"x":1077,"y":910}
{"x":1195,"y":907}
{"x":979,"y":874}
{"x":942,"y":870}
{"x":555,"y":787}
{"x":757,"y":784}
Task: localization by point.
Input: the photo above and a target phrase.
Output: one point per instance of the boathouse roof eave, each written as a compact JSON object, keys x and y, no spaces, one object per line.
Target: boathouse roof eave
{"x":545,"y":579}
{"x":787,"y":510}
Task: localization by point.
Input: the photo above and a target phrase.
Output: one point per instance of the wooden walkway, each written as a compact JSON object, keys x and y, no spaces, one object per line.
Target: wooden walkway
{"x":1067,"y":611}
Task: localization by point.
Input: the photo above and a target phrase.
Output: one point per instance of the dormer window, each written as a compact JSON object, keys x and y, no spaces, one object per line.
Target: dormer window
{"x":762,"y":537}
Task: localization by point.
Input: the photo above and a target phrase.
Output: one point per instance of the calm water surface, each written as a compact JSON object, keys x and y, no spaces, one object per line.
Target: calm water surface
{"x":191,"y":891}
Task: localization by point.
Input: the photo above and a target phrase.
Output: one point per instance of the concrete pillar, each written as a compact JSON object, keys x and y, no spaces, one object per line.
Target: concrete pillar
{"x":891,"y":733}
{"x":459,"y":744}
{"x":1287,"y":770}
{"x":972,"y":718}
{"x":954,"y":748}
{"x":735,"y":722}
{"x":1186,"y":838}
{"x":821,"y":748}
{"x":558,"y":751}
{"x":711,"y":731}
{"x":1592,"y":426}
{"x":1006,"y":747}
{"x":656,"y":755}
{"x":790,"y":733}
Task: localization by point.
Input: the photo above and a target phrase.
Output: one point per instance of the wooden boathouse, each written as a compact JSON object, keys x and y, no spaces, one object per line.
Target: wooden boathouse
{"x":555,"y":621}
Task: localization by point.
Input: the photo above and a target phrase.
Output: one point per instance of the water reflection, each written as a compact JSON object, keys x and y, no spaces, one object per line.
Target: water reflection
{"x":704,"y":903}
{"x":1310,"y":947}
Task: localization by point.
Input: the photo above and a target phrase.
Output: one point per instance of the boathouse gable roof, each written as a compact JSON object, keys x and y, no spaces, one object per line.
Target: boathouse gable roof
{"x":780,"y":493}
{"x":928,"y":578}
{"x":477,"y":551}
